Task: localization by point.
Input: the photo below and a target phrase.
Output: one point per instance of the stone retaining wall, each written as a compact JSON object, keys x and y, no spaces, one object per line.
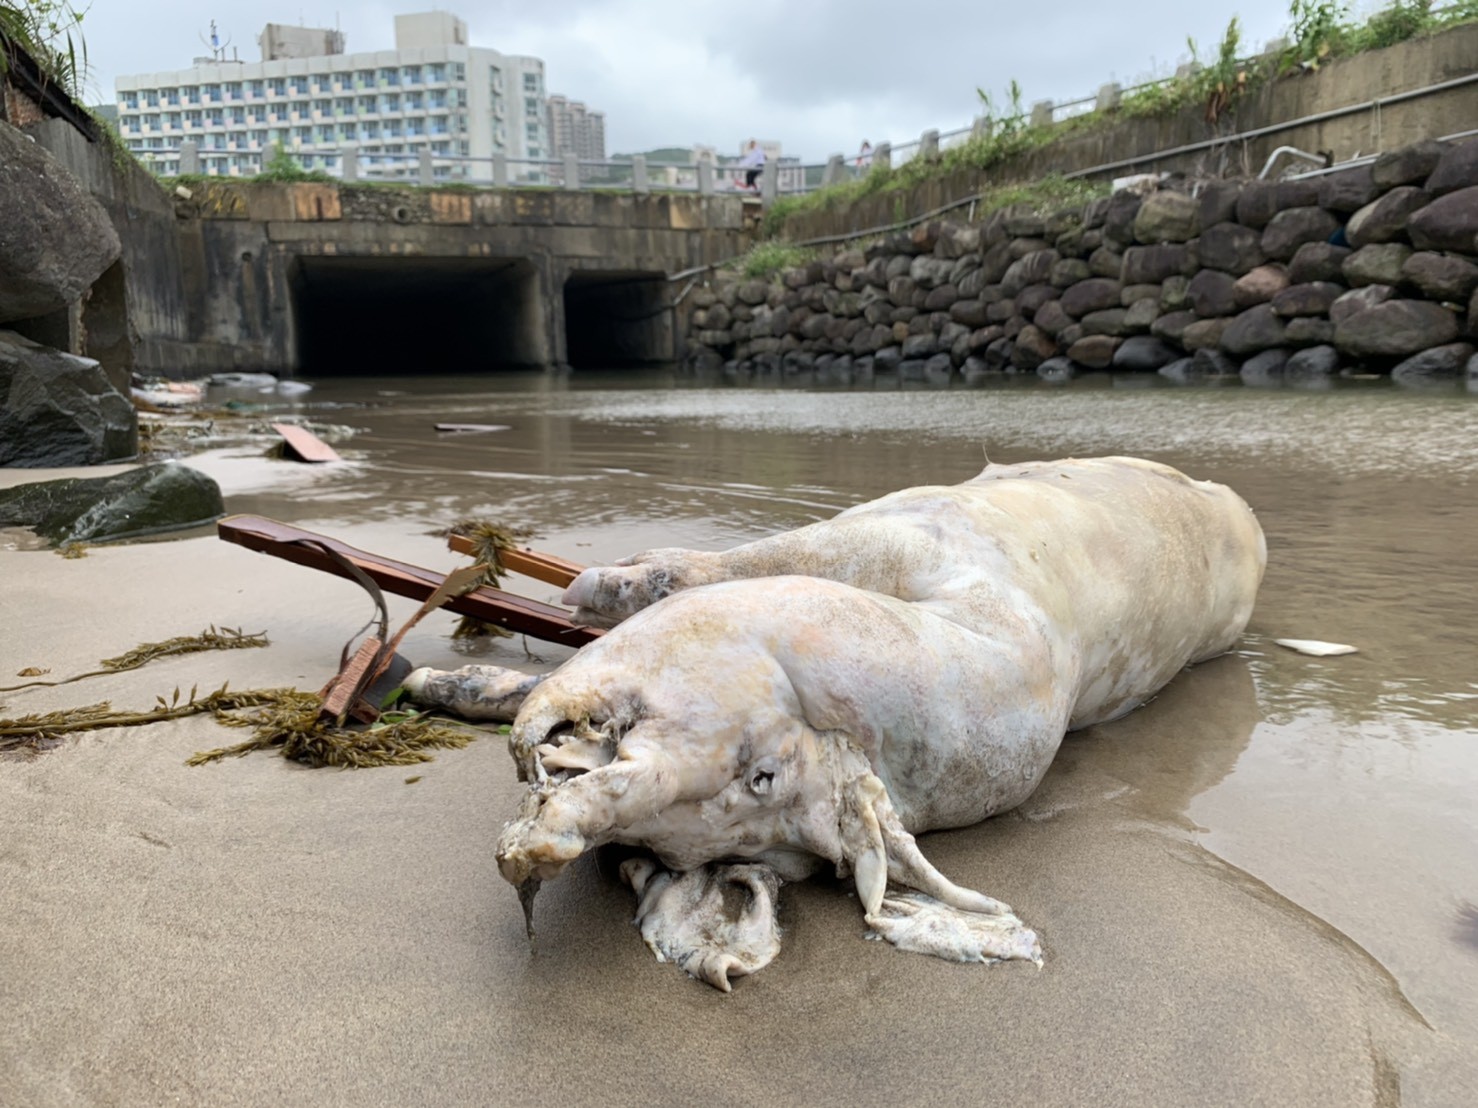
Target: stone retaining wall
{"x":1373,"y":269}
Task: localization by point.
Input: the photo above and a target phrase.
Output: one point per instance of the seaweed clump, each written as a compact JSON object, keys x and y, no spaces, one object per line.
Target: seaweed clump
{"x":286,"y":720}
{"x":484,"y":541}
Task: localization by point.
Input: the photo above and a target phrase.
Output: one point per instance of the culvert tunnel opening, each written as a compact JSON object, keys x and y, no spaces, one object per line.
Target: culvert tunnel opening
{"x":417,"y":316}
{"x":618,"y":320}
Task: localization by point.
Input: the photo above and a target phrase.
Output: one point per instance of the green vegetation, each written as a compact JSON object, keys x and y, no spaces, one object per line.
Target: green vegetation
{"x":49,"y":31}
{"x":768,"y":258}
{"x":282,"y":166}
{"x":1319,"y":31}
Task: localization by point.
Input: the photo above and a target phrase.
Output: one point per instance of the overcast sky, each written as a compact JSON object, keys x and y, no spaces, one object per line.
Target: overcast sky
{"x":817,"y":75}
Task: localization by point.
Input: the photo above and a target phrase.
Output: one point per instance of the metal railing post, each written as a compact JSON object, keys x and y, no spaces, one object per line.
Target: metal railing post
{"x":1109,"y":97}
{"x":929,"y":145}
{"x":639,"y":174}
{"x":189,"y":156}
{"x":882,"y":155}
{"x":832,"y":174}
{"x":571,"y":171}
{"x":427,"y":174}
{"x":500,"y":170}
{"x":705,"y":178}
{"x":348,"y":163}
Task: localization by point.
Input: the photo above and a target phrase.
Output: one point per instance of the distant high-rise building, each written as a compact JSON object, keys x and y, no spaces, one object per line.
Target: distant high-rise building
{"x":432,"y":92}
{"x":576,"y":129}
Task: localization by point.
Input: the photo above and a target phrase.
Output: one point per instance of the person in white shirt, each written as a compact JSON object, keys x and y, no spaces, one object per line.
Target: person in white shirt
{"x":753,"y":163}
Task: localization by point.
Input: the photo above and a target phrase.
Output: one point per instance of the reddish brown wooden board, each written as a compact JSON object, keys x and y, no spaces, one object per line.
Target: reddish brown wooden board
{"x":550,"y":569}
{"x":517,"y":613}
{"x":306,"y":445}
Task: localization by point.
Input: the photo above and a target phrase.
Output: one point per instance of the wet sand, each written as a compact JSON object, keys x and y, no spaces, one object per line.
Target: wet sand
{"x":1249,"y":891}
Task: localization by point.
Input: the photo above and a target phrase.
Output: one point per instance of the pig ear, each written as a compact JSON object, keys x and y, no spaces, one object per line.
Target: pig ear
{"x":880,"y":849}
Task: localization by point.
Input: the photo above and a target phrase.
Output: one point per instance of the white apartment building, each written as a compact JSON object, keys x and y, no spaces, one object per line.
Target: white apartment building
{"x":576,"y":129}
{"x":433,"y":91}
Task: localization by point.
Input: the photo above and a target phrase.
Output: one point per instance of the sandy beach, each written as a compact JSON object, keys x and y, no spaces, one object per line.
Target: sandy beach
{"x":254,"y":932}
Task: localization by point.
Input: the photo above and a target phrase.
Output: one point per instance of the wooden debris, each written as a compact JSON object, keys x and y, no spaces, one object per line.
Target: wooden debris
{"x":517,"y":613}
{"x":304,"y":445}
{"x":472,"y":428}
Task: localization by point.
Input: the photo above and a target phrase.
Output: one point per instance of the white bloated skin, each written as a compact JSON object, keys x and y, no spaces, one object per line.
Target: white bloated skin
{"x":920,"y":675}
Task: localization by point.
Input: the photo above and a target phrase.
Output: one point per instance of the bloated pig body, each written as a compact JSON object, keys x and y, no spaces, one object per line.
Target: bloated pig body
{"x":910,"y":665}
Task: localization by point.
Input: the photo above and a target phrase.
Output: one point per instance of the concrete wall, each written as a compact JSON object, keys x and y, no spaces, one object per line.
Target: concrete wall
{"x":242,"y":247}
{"x":137,"y":317}
{"x":1372,"y":75}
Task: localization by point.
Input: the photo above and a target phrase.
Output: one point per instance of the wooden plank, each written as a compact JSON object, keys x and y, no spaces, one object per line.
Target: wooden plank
{"x":548,"y":568}
{"x":517,"y":613}
{"x":305,"y":445}
{"x":471,"y":428}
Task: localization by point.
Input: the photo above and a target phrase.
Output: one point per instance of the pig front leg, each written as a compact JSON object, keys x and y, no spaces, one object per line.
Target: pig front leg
{"x":683,"y":919}
{"x":472,"y":692}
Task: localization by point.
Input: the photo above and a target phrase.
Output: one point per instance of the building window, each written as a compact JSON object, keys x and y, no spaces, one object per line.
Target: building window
{"x":131,"y":101}
{"x":233,"y":90}
{"x":238,"y":116}
{"x":531,"y":82}
{"x":459,"y":71}
{"x":390,"y":76}
{"x":412,"y":101}
{"x":346,"y":132}
{"x":212,"y":93}
{"x":413,"y":74}
{"x":277,"y":86}
{"x":390,"y":103}
{"x":172,"y":96}
{"x":259,"y":113}
{"x":151,"y":98}
{"x":256,"y":89}
{"x":437,"y":74}
{"x":365,"y":78}
{"x":300,"y":86}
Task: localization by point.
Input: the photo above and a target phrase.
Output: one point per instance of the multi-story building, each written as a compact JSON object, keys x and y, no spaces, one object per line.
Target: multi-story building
{"x":432,"y":92}
{"x":576,"y":129}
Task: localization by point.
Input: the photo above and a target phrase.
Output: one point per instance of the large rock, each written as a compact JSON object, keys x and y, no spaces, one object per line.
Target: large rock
{"x":1255,"y":330}
{"x":1172,"y":325}
{"x":1308,"y":330}
{"x":1316,"y":361}
{"x":1211,"y":293}
{"x":1385,"y":220}
{"x":144,"y":501}
{"x":55,"y":239}
{"x":1167,"y":217}
{"x":1440,"y":363}
{"x":1290,"y":229}
{"x":1257,"y":204}
{"x":1231,"y":248}
{"x":1314,"y":298}
{"x":1033,"y":269}
{"x":1265,"y":369}
{"x":1258,"y":286}
{"x":1379,"y":264}
{"x":1456,"y":169}
{"x":1150,"y":265}
{"x":1092,"y":295}
{"x":1408,"y":165}
{"x":1448,"y":223}
{"x":1349,"y":190}
{"x":1143,"y":353}
{"x":1358,"y":300}
{"x":1317,"y":261}
{"x":1441,"y":276}
{"x":1204,"y":333}
{"x":1094,"y":351}
{"x":59,"y":410}
{"x":1395,"y":329}
{"x":1219,"y":202}
{"x":1119,"y":216}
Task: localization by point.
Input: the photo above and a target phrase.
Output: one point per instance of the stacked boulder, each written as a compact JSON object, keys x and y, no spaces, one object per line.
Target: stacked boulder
{"x":1369,"y":269}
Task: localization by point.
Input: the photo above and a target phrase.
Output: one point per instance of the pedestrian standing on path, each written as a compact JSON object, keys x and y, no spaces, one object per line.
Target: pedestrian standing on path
{"x":753,"y":163}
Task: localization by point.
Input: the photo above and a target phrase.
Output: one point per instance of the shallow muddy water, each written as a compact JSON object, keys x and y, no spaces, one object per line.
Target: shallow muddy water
{"x":1337,"y":792}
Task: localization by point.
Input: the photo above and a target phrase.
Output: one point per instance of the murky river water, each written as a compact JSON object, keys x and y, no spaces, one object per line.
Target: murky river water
{"x":1343,"y":789}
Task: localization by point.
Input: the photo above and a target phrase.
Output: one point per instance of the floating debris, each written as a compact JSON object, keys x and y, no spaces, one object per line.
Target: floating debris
{"x":304,"y":446}
{"x":1316,"y":648}
{"x":72,"y":550}
{"x":33,"y":671}
{"x":472,"y":428}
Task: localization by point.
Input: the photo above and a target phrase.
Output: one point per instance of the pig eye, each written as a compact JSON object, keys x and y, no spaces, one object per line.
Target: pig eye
{"x":762,"y":776}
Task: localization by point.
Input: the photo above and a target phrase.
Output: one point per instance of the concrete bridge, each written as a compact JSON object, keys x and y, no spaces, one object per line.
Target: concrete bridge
{"x":320,"y":279}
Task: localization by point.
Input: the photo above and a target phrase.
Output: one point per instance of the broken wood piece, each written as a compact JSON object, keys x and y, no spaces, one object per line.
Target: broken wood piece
{"x":472,"y":428}
{"x":340,"y":694}
{"x":549,"y":568}
{"x":304,"y":445}
{"x":517,"y":613}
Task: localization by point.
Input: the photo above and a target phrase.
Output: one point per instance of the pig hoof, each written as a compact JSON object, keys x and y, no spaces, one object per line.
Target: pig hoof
{"x":683,"y":918}
{"x":923,"y":925}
